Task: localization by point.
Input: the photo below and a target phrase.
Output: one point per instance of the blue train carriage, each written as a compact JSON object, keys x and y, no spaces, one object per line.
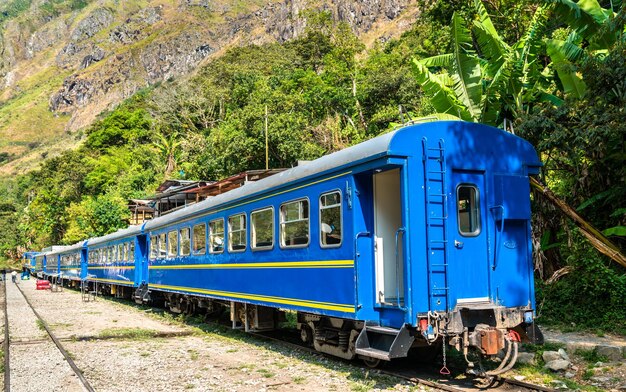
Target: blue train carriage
{"x":113,"y":262}
{"x":37,"y":269}
{"x":30,"y":261}
{"x":71,"y":264}
{"x":52,"y":263}
{"x":417,"y":236}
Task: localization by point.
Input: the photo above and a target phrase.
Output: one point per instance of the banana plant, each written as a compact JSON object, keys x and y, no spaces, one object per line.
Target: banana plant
{"x":490,"y":87}
{"x":594,"y":30}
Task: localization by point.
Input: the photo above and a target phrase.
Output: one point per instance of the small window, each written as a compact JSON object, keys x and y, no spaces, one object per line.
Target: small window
{"x":121,"y":253}
{"x":216,"y":236}
{"x":111,"y":258}
{"x":199,"y":239}
{"x":172,"y":244}
{"x":131,"y":251}
{"x":154,"y":247}
{"x":237,"y":233}
{"x":468,"y":210}
{"x":162,"y":245}
{"x":184,"y":242}
{"x":262,"y":229}
{"x":330,"y":220}
{"x":294,"y":223}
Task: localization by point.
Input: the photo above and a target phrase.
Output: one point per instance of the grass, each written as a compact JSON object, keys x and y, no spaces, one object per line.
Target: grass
{"x":128,"y":333}
{"x":266,"y":373}
{"x":193,"y":355}
{"x":591,"y":356}
{"x":40,"y":325}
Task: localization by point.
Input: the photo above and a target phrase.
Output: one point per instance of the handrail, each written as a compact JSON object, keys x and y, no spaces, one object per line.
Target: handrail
{"x":498,"y":243}
{"x":403,"y":231}
{"x":356,"y":256}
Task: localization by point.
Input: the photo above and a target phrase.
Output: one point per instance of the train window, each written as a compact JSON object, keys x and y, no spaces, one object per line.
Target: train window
{"x":330,"y":219}
{"x":154,"y":247}
{"x":172,"y":243}
{"x":237,"y":233}
{"x":184,"y":242}
{"x":468,"y":210}
{"x":199,"y":239}
{"x":131,"y":251}
{"x":216,"y":236}
{"x":294,"y":224}
{"x":121,"y":252}
{"x":162,"y":245}
{"x":262,"y":229}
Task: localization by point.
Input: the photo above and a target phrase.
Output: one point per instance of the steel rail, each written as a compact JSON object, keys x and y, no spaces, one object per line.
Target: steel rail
{"x":7,"y":361}
{"x":57,"y":342}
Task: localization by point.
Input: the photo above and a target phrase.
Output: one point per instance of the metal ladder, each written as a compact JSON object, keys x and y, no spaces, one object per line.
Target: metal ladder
{"x":436,"y":212}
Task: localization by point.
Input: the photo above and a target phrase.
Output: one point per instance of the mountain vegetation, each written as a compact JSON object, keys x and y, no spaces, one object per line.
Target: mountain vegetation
{"x":553,"y":72}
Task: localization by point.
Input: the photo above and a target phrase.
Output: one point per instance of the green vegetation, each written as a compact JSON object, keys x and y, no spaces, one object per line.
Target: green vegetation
{"x":128,"y":333}
{"x":553,"y":72}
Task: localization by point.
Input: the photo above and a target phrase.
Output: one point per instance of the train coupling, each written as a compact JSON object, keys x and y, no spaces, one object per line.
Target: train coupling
{"x":488,"y":340}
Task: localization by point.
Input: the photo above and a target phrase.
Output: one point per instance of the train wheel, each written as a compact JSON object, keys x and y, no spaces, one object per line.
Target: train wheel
{"x":306,"y":334}
{"x":371,"y":362}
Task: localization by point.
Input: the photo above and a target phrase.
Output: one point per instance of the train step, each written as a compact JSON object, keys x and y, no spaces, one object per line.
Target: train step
{"x":383,"y":343}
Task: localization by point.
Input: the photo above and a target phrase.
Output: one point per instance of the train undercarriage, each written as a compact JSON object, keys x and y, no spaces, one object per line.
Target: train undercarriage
{"x":476,"y":332}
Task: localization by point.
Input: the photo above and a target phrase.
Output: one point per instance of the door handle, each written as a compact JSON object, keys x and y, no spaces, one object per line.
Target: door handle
{"x":458,"y":244}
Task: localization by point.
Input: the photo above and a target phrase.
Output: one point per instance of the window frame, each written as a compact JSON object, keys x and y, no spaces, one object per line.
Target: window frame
{"x":162,"y":236}
{"x":193,"y":249}
{"x":180,"y":241}
{"x":131,"y":251}
{"x":319,"y":211}
{"x":266,"y":247}
{"x":169,"y":236}
{"x":230,"y":231}
{"x":280,"y":224}
{"x":210,"y":234}
{"x":478,"y":229}
{"x":154,"y":239}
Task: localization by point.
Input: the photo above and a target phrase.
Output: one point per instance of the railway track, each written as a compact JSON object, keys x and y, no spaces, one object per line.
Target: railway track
{"x":496,"y":384}
{"x":7,"y":370}
{"x":5,"y":344}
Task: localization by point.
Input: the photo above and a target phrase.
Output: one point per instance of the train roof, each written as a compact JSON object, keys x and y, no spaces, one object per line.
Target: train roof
{"x":123,"y":233}
{"x":466,"y":135}
{"x":370,"y":149}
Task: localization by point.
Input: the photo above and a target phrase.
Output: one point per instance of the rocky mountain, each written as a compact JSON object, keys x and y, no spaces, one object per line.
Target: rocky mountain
{"x":62,"y":62}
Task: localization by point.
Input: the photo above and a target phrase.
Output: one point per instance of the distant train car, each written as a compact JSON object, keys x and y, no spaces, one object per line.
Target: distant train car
{"x":52,"y":263}
{"x":415,"y":238}
{"x":111,"y":261}
{"x":30,"y":261}
{"x":71,"y":263}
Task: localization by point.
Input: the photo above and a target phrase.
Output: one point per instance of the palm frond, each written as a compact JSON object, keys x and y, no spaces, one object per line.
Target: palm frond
{"x":467,"y":75}
{"x":566,"y":71}
{"x":442,"y":60}
{"x":441,"y":97}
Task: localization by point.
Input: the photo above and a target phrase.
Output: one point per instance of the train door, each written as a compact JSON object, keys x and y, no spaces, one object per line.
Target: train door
{"x":388,"y":238}
{"x":469,"y":260}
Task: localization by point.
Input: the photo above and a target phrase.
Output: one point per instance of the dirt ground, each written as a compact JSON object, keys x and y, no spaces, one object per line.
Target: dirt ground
{"x":121,"y":347}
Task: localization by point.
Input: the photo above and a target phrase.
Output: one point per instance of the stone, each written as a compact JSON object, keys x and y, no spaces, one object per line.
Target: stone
{"x":622,"y":387}
{"x":520,"y":378}
{"x":549,"y":356}
{"x":558,"y":365}
{"x":600,"y":379}
{"x":570,"y":375}
{"x":614,"y":353}
{"x":526,"y":359}
{"x":563,"y":354}
{"x":598,"y":364}
{"x":558,"y":384}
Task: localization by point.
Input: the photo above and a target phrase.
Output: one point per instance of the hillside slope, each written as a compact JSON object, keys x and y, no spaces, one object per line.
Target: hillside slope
{"x":63,"y":62}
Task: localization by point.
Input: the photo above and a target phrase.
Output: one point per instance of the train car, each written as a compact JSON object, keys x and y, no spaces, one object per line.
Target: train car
{"x":71,"y":264}
{"x":113,"y":262}
{"x":52,"y":263}
{"x":418,"y":236}
{"x":30,"y":261}
{"x":37,"y":269}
